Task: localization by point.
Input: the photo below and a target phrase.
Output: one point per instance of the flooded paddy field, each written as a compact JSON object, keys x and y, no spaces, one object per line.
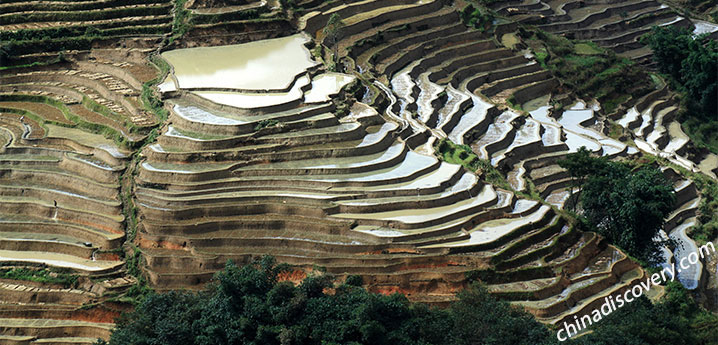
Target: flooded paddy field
{"x":263,"y":65}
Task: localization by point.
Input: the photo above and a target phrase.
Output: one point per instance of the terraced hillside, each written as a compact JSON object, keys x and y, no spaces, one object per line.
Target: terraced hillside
{"x":437,"y":83}
{"x":265,"y":151}
{"x":242,"y":169}
{"x":60,"y":203}
{"x":31,"y":31}
{"x":442,"y":84}
{"x":612,"y":24}
{"x":652,"y":125}
{"x":101,"y":92}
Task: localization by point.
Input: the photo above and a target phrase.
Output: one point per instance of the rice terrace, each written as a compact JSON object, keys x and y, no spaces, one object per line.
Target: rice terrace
{"x":488,"y":171}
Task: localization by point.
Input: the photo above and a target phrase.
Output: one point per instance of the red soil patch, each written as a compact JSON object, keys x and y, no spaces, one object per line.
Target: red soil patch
{"x":31,"y":283}
{"x":295,"y":276}
{"x":108,"y":257}
{"x":93,"y":225}
{"x":390,"y":289}
{"x":135,"y":65}
{"x":98,"y":314}
{"x":143,"y":72}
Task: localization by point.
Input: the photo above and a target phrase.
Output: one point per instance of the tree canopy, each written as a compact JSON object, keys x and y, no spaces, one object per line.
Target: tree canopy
{"x":333,"y":32}
{"x":690,"y":61}
{"x":248,"y":305}
{"x":628,"y":205}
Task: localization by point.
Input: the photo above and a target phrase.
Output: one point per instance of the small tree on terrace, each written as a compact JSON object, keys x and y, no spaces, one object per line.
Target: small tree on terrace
{"x":332,"y":32}
{"x":626,"y":204}
{"x":629,"y":207}
{"x":580,"y":165}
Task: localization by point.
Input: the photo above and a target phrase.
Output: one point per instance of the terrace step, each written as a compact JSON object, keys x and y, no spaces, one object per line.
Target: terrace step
{"x":585,"y":306}
{"x":66,"y":340}
{"x":363,"y":193}
{"x":376,"y":53}
{"x":48,"y":328}
{"x":461,"y":68}
{"x":468,"y":183}
{"x":27,"y":294}
{"x":449,"y":115}
{"x":473,"y":121}
{"x":60,"y":260}
{"x":408,"y":219}
{"x":498,"y":136}
{"x":395,"y":28}
{"x":491,"y":231}
{"x":522,"y":251}
{"x":530,"y":288}
{"x":391,"y":60}
{"x":610,"y":24}
{"x":527,"y":142}
{"x":312,"y":21}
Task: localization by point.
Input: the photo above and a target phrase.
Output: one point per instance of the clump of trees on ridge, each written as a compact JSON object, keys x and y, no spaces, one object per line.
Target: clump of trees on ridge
{"x":249,"y":305}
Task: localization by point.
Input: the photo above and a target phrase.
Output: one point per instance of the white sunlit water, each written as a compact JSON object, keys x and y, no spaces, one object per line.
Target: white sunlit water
{"x":269,"y":64}
{"x":326,"y":85}
{"x":253,"y":100}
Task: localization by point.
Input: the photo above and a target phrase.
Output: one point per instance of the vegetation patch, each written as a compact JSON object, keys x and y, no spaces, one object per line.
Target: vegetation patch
{"x":587,"y":48}
{"x":141,"y":289}
{"x":252,"y":13}
{"x":76,"y":121}
{"x":182,"y":20}
{"x":675,"y":319}
{"x":626,"y":204}
{"x":690,"y":65}
{"x":119,"y":12}
{"x":478,"y":18}
{"x":149,"y":99}
{"x":248,"y":305}
{"x":511,"y":101}
{"x":332,"y":33}
{"x":588,"y":70}
{"x":47,"y":276}
{"x":707,"y":229}
{"x":265,"y":123}
{"x":450,"y":152}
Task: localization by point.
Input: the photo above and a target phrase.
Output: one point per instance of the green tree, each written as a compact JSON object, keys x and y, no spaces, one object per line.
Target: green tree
{"x":332,"y":33}
{"x":690,"y":61}
{"x":670,"y":47}
{"x":93,"y":32}
{"x":160,"y":319}
{"x":699,"y":75}
{"x":482,"y":319}
{"x":5,"y":51}
{"x":580,"y":165}
{"x":247,"y":305}
{"x":288,"y":4}
{"x":478,"y":18}
{"x":626,"y":205}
